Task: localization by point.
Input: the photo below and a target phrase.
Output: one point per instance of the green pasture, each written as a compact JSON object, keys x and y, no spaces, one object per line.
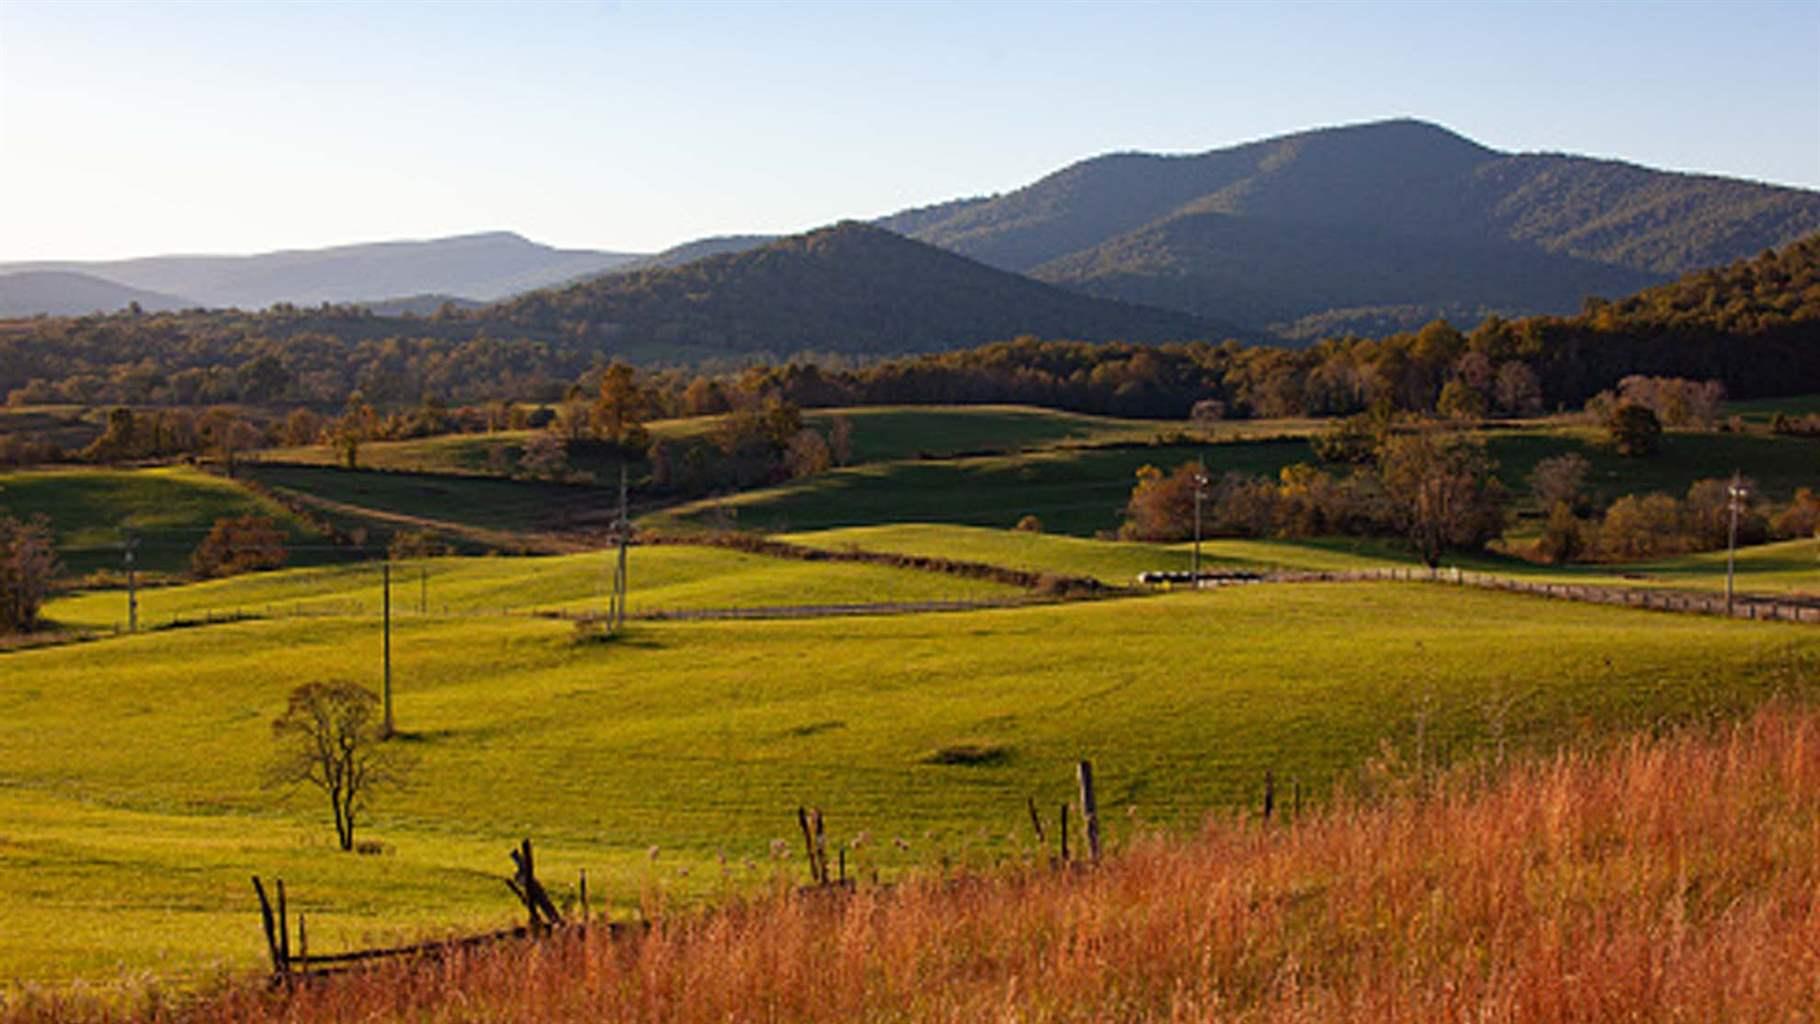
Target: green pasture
{"x":1787,"y":567}
{"x":478,"y":502}
{"x":170,"y":509}
{"x":662,"y":578}
{"x":669,"y":761}
{"x":1114,"y":562}
{"x":1762,"y":410}
{"x":880,"y":433}
{"x":1077,"y":492}
{"x":1779,"y":465}
{"x":1784,"y":568}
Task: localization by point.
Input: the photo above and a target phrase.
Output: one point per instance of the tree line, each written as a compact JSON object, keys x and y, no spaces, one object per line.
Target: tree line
{"x":1753,"y":326}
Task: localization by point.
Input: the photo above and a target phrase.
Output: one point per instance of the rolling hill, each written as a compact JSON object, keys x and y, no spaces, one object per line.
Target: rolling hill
{"x":480,"y":267}
{"x":847,"y":288}
{"x":1388,"y":223}
{"x":66,"y":293}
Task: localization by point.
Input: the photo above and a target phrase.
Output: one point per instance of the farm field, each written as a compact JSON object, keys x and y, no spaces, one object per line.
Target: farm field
{"x":1112,"y":562}
{"x":171,"y":509}
{"x":1081,"y":492}
{"x":132,"y":765}
{"x":664,"y":578}
{"x":880,"y":433}
{"x":1787,"y":567}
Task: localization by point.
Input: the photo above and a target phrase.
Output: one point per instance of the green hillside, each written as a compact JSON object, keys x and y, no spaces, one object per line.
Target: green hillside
{"x":661,"y":579}
{"x":135,"y":813}
{"x":170,"y":510}
{"x":1081,"y":492}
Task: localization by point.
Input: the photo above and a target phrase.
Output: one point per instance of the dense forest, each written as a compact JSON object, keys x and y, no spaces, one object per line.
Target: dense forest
{"x":1754,"y":326}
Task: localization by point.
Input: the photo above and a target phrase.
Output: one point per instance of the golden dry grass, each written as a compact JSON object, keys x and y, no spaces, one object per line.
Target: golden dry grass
{"x":1673,"y":878}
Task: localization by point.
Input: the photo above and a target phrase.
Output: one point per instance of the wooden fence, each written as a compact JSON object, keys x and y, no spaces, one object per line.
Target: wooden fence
{"x":291,"y":963}
{"x":1743,"y":606}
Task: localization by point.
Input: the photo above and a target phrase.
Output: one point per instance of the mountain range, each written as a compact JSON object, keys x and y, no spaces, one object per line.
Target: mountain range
{"x":1397,"y":216}
{"x":478,"y":268}
{"x":1367,"y":228}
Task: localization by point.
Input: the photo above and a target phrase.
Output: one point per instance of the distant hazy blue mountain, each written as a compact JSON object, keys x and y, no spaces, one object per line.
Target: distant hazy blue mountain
{"x":62,"y":293}
{"x":481,"y":267}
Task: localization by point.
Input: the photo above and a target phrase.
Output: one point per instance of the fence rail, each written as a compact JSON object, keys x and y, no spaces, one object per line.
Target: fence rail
{"x":1743,"y":606}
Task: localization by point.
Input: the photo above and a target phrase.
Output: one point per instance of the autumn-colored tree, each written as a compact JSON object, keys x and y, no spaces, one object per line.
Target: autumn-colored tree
{"x":28,"y":563}
{"x":1441,"y":493}
{"x":840,"y":440}
{"x":239,"y":544}
{"x":619,"y":411}
{"x":807,"y":454}
{"x":1161,"y":506}
{"x":1461,"y":401}
{"x":1561,"y":480}
{"x":302,"y":427}
{"x":1635,"y":431}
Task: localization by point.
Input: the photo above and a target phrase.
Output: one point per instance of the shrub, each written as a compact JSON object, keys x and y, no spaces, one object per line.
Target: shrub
{"x":1029,"y":524}
{"x":1635,"y":430}
{"x":239,"y":544}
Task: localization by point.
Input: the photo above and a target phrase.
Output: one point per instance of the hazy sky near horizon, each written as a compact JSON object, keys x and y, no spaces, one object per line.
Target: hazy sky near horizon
{"x":139,"y":129}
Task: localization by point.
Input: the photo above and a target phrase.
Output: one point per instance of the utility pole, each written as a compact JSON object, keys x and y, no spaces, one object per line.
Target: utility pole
{"x":132,"y":583}
{"x":1737,"y":492}
{"x":1200,"y":491}
{"x":616,"y":616}
{"x":386,"y":605}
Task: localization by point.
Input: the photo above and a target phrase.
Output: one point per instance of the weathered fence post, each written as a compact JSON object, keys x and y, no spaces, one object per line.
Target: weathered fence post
{"x":271,"y":933}
{"x":1062,"y":830}
{"x":1036,"y":822}
{"x":1270,"y":793}
{"x":1090,"y":809}
{"x":284,"y":932}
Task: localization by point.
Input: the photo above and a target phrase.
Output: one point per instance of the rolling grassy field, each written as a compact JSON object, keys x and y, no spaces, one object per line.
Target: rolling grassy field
{"x":1762,"y":410}
{"x":1787,"y":567}
{"x":1080,"y":492}
{"x":1666,"y":878}
{"x":518,"y":506}
{"x":1114,"y":562}
{"x":134,"y":812}
{"x":171,"y":510}
{"x":663,"y":578}
{"x":1072,"y":492}
{"x":880,"y":433}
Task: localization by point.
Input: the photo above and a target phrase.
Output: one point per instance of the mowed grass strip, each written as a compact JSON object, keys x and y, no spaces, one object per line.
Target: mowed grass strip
{"x":142,"y":756}
{"x":663,"y":578}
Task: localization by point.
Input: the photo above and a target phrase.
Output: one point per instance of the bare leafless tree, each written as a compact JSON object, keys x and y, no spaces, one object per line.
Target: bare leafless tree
{"x":330,"y":737}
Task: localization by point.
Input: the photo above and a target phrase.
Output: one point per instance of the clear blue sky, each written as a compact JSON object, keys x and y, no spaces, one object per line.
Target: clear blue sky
{"x":132,"y":129}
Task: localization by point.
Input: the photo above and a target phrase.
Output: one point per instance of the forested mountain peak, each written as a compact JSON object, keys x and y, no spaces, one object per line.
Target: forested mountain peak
{"x":1383,"y":224}
{"x":850,"y":287}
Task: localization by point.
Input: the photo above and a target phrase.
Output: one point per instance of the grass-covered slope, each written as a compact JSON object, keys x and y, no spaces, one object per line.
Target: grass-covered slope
{"x":1668,"y":879}
{"x":135,"y":812}
{"x":662,"y":579}
{"x":170,"y":510}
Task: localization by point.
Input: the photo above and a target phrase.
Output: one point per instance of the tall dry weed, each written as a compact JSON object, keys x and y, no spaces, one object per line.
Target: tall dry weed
{"x":1669,"y":878}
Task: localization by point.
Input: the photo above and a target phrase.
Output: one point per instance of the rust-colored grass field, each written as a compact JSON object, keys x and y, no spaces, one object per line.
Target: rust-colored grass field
{"x":1672,"y":878}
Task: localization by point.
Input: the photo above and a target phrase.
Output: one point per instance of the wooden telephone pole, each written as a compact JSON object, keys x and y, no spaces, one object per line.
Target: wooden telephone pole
{"x":386,"y":607}
{"x":132,"y":583}
{"x":622,"y":528}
